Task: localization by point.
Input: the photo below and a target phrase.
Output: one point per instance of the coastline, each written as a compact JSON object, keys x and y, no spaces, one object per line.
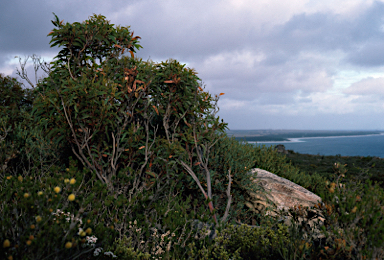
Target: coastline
{"x":291,"y":136}
{"x":299,"y":140}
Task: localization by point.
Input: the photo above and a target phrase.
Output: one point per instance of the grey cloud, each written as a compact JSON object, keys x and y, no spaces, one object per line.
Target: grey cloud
{"x":360,"y":38}
{"x":276,"y":58}
{"x":367,"y":86}
{"x":369,"y":55}
{"x":244,"y":82}
{"x":314,"y":32}
{"x":275,"y":99}
{"x":255,"y":120}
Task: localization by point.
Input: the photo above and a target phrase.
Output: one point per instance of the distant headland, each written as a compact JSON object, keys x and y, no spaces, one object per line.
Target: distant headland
{"x":285,"y":135}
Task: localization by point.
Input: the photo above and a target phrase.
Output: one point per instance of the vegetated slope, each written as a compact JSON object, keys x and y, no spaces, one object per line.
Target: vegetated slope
{"x":358,"y":167}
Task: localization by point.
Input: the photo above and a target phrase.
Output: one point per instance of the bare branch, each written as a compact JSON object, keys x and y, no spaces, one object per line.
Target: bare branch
{"x":189,"y":170}
{"x":23,"y":74}
{"x":229,"y":198}
{"x":165,"y":121}
{"x":79,"y":146}
{"x":70,"y":73}
{"x":113,"y":153}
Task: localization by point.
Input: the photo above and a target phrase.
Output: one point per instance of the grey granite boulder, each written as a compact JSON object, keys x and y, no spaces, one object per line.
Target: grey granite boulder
{"x":278,"y":193}
{"x":279,"y":197}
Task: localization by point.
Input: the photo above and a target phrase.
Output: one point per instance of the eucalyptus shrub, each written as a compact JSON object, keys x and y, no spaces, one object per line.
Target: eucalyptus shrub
{"x":125,"y":116}
{"x":138,"y":127}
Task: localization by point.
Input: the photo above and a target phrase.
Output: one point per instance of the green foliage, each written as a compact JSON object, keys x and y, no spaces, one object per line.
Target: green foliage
{"x":15,"y":105}
{"x":14,"y":100}
{"x":354,"y":219}
{"x":86,"y":42}
{"x":269,"y":159}
{"x":229,"y":154}
{"x":80,"y":102}
{"x":46,"y":209}
{"x":253,"y":242}
{"x":358,"y":168}
{"x":24,"y":147}
{"x":124,"y":250}
{"x":121,"y":112}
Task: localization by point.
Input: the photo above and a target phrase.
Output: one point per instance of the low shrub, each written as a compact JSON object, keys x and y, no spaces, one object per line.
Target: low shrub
{"x":43,"y":216}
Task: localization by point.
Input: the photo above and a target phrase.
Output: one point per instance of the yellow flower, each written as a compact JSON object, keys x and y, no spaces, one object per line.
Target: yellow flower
{"x":6,"y":243}
{"x":82,"y":233}
{"x":68,"y":245}
{"x":26,"y":195}
{"x":71,"y":197}
{"x":32,"y":226}
{"x":57,"y":189}
{"x":10,"y":257}
{"x":38,"y":219}
{"x":39,"y":193}
{"x":20,"y":178}
{"x":354,"y":210}
{"x":9,"y":177}
{"x":29,"y":242}
{"x":67,"y":169}
{"x":88,"y":231}
{"x":66,"y":180}
{"x":72,"y":181}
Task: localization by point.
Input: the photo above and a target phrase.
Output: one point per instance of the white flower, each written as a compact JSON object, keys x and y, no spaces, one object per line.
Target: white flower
{"x":91,"y":240}
{"x":110,"y":254}
{"x":169,"y":246}
{"x":97,"y":251}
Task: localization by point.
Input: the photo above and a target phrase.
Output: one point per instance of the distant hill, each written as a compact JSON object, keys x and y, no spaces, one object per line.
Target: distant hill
{"x":284,"y":135}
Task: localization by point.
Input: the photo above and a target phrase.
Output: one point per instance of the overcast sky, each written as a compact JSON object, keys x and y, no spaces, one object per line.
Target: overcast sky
{"x":297,"y":64}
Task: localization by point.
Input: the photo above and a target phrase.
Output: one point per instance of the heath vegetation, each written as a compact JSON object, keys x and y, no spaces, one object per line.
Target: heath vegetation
{"x":110,"y":156}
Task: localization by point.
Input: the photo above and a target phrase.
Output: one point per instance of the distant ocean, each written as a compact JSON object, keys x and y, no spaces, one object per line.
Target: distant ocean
{"x":363,"y":145}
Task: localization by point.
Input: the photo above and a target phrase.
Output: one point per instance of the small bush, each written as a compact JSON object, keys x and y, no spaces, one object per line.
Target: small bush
{"x":46,"y":210}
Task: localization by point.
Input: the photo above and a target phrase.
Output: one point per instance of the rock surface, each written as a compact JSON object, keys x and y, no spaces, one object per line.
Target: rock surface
{"x":279,"y":197}
{"x":279,"y":193}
